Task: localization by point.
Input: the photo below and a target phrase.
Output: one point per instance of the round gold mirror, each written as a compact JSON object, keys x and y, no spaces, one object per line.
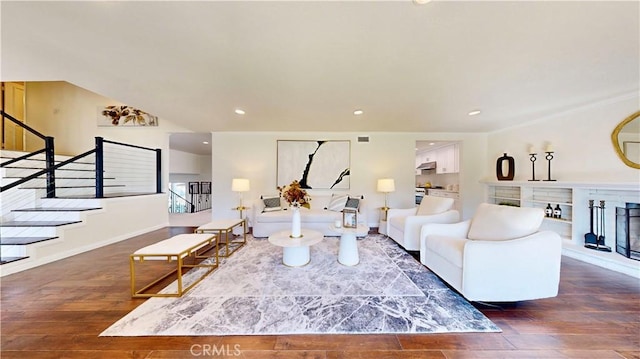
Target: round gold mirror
{"x":626,"y":140}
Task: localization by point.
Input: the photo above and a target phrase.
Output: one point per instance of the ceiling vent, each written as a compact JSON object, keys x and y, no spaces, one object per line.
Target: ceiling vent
{"x":363,"y":138}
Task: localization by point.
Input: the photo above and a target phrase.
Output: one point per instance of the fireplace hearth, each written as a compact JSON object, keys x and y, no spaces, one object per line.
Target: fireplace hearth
{"x":628,"y":230}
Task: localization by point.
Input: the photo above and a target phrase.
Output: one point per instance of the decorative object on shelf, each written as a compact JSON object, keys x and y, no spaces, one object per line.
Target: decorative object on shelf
{"x":386,"y":186}
{"x":296,"y":197}
{"x":625,"y":140}
{"x":549,"y":151}
{"x":628,"y":230}
{"x":240,"y":185}
{"x":600,"y":246}
{"x":315,"y":164}
{"x":532,"y":158}
{"x":557,"y":212}
{"x":349,"y":218}
{"x":511,"y":168}
{"x":548,"y":212}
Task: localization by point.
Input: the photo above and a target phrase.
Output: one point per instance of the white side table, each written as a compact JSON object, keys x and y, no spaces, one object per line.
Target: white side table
{"x":348,"y":252}
{"x":295,"y":251}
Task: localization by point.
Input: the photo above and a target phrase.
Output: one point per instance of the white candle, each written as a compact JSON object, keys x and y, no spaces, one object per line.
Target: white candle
{"x":549,"y":148}
{"x":532,"y":150}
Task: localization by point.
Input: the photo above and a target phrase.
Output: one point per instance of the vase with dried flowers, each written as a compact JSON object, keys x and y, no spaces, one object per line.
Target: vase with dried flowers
{"x":297,"y":197}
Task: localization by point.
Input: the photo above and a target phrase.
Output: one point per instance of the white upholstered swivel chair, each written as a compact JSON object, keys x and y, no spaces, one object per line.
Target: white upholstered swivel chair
{"x":498,"y":256}
{"x":403,"y":225}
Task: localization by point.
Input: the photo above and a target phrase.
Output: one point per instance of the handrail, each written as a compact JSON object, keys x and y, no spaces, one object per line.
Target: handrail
{"x":44,"y":171}
{"x":23,"y":125}
{"x":127,"y":144}
{"x":16,"y":159}
{"x":173,"y":194}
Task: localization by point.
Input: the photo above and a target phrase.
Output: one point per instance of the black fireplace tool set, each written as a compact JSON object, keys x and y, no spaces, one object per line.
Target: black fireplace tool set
{"x":596,"y":240}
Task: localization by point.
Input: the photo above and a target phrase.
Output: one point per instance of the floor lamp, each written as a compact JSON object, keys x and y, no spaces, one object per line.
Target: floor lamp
{"x":386,"y":185}
{"x":240,"y":185}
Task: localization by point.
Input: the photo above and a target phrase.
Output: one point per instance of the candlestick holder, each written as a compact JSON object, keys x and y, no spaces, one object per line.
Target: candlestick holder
{"x":549,"y":157}
{"x":533,"y":166}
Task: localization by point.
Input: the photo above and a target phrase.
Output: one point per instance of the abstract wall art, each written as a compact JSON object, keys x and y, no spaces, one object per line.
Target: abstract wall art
{"x":315,"y":164}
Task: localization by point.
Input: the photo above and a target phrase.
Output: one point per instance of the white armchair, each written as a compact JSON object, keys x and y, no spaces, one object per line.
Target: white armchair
{"x":403,"y":225}
{"x":497,"y":256}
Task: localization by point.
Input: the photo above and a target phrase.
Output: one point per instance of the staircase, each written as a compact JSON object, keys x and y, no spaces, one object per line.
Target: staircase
{"x":27,"y":217}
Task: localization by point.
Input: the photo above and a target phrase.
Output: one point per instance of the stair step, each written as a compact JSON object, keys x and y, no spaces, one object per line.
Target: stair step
{"x":62,"y":177}
{"x":24,"y":240}
{"x":106,"y":195}
{"x":59,"y":169}
{"x":5,"y":260}
{"x":36,"y":223}
{"x":56,"y":209}
{"x":105,"y":186}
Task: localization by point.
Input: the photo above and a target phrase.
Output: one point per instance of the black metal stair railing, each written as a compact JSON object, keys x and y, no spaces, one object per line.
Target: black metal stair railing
{"x":138,"y":168}
{"x":179,"y":204}
{"x":48,"y":150}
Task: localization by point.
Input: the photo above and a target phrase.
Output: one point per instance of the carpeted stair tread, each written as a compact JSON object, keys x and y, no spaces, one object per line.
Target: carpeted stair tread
{"x":24,"y":240}
{"x":36,"y":223}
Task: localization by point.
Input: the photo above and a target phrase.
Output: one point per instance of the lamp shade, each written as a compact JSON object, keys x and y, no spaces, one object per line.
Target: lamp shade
{"x":386,"y":185}
{"x":240,"y":185}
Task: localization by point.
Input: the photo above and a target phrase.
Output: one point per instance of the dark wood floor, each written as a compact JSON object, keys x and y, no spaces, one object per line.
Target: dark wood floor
{"x":58,"y":311}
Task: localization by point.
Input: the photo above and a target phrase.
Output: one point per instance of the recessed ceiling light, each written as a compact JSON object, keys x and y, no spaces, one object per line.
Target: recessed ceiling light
{"x":421,"y":2}
{"x":205,"y":142}
{"x":431,"y":143}
{"x":474,"y":112}
{"x":358,"y":112}
{"x":239,"y":111}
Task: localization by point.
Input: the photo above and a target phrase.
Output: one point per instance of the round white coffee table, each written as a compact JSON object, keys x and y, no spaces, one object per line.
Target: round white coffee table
{"x":348,"y":252}
{"x":295,"y":251}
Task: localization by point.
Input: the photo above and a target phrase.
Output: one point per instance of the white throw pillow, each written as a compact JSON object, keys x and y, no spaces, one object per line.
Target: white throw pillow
{"x":434,"y":205}
{"x":494,"y":222}
{"x":337,"y":202}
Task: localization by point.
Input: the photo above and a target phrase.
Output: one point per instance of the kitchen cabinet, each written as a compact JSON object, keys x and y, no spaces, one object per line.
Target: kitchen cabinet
{"x":446,"y":194}
{"x":447,"y":159}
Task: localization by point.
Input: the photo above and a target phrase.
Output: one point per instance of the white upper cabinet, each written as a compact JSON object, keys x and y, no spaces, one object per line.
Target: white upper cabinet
{"x":447,"y":159}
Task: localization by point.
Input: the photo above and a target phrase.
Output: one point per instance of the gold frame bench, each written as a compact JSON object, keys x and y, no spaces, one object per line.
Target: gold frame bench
{"x":223,"y":229}
{"x":177,"y":248}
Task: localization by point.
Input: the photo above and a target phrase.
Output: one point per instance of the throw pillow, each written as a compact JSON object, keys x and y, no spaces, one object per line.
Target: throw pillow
{"x":271,"y":204}
{"x":353,"y":203}
{"x":337,"y":202}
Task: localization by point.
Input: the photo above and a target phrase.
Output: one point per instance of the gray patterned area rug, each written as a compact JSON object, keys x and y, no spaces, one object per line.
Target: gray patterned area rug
{"x":253,"y":293}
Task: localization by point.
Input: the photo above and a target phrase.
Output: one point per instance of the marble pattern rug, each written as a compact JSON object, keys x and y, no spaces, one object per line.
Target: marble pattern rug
{"x":253,"y":293}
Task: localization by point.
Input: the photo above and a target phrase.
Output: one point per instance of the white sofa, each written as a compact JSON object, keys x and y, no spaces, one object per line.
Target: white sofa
{"x":403,"y":225}
{"x":317,"y":218}
{"x":497,"y":256}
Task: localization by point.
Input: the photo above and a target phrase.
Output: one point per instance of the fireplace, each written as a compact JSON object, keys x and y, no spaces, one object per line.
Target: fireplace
{"x":628,"y":230}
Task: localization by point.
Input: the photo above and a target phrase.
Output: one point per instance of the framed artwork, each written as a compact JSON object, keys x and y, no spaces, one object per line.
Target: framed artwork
{"x":124,"y":116}
{"x":194,"y":187}
{"x":205,"y":187}
{"x":349,"y":218}
{"x":315,"y":164}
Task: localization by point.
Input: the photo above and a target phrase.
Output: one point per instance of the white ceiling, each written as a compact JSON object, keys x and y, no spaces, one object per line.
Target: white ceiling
{"x":305,"y":66}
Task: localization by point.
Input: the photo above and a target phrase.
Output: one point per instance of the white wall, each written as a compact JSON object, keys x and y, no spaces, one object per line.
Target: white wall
{"x":581,"y":139}
{"x":252,"y":155}
{"x":185,"y":167}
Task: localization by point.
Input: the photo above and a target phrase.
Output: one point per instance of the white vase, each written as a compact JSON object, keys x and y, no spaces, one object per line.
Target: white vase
{"x":295,"y":223}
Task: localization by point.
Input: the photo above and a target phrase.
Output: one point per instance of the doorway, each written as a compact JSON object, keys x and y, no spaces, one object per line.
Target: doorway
{"x":13,"y":103}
